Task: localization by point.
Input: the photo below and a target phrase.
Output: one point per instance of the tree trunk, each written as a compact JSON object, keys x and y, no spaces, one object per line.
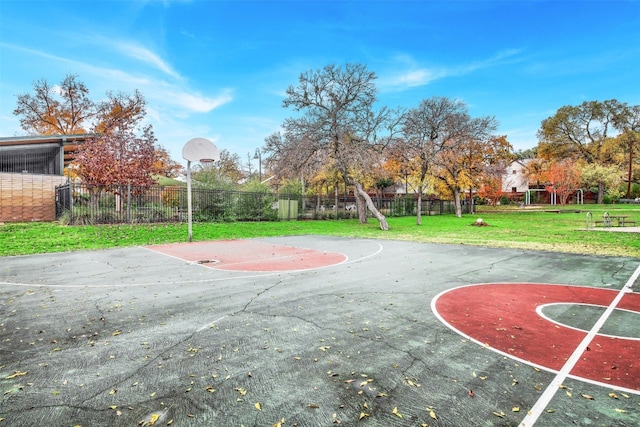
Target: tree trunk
{"x":471,"y":201}
{"x":600,"y":193}
{"x":630,"y":174}
{"x":383,"y":221}
{"x":361,"y":207}
{"x":419,"y":213}
{"x":456,"y":198}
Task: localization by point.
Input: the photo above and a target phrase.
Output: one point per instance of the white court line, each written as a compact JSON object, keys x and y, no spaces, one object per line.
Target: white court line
{"x":346,"y":261}
{"x":208,"y":325}
{"x":554,"y":385}
{"x":232,"y":276}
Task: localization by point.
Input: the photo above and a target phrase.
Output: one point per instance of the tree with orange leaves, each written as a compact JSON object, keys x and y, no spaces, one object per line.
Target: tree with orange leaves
{"x":563,"y":177}
{"x":67,"y":109}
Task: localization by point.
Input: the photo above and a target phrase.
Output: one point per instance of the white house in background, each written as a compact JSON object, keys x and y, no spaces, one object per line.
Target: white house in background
{"x":515,"y":177}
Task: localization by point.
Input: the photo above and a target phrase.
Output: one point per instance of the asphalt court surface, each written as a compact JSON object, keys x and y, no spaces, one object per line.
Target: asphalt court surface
{"x":315,"y":331}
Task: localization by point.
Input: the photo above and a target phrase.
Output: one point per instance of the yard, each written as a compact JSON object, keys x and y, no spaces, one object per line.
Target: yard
{"x":550,"y":228}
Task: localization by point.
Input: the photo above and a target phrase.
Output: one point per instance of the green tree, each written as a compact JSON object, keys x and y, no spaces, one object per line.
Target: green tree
{"x":606,"y":178}
{"x":627,"y":120}
{"x":581,"y":133}
{"x":224,"y":174}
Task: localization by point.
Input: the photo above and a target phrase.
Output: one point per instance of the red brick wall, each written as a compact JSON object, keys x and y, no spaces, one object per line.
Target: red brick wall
{"x":26,"y":197}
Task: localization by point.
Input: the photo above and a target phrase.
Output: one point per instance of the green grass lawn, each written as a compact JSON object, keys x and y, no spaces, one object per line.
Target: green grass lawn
{"x":508,"y":228}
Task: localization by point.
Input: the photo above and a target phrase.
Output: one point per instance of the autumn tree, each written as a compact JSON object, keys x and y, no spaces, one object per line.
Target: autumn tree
{"x":115,"y":159}
{"x":485,"y":157}
{"x":337,"y":123}
{"x":491,"y":188}
{"x":580,"y":133}
{"x":494,"y":162}
{"x":120,"y":150}
{"x":563,"y":177}
{"x":455,"y":163}
{"x":67,"y":109}
{"x":426,"y":129}
{"x":165,"y":166}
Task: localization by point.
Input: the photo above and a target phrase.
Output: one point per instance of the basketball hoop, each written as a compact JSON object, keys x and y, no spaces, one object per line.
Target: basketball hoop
{"x":200,"y":150}
{"x":197,"y":150}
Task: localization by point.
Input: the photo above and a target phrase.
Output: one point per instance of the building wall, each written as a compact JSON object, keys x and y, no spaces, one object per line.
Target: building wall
{"x":515,"y":177}
{"x":27,"y":197}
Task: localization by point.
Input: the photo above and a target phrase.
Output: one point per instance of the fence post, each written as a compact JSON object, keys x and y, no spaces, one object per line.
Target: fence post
{"x":70,"y":202}
{"x":129,"y":202}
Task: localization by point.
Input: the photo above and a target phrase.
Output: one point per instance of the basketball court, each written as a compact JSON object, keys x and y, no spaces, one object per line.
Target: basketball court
{"x":313,"y":330}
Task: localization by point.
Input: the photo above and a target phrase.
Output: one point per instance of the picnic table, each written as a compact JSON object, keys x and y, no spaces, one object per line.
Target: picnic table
{"x":621,"y":220}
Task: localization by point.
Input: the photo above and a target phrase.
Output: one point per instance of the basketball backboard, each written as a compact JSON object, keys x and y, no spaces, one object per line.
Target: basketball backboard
{"x":200,"y":150}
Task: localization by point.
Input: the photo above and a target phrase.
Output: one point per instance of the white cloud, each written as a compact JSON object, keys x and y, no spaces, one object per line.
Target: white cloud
{"x":416,"y":78}
{"x":196,"y":102}
{"x":414,"y":75}
{"x":145,"y":55}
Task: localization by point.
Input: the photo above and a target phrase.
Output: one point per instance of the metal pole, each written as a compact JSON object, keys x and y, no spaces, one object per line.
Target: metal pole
{"x":189,"y":200}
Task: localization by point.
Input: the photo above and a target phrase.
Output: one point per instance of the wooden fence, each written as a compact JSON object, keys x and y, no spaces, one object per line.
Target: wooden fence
{"x":28,"y":197}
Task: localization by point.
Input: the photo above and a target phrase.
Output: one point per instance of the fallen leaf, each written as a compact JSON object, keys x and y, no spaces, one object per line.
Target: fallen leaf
{"x":16,"y":374}
{"x":515,"y":409}
{"x":613,"y":395}
{"x":396,"y":413}
{"x":551,"y":411}
{"x":586,"y":396}
{"x":622,"y":411}
{"x":258,"y":406}
{"x":432,"y":414}
{"x":499,"y":414}
{"x":313,"y":405}
{"x":471,"y":394}
{"x":153,"y":419}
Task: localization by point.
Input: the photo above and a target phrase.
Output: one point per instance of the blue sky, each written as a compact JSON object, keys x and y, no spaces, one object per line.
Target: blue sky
{"x":219,"y":69}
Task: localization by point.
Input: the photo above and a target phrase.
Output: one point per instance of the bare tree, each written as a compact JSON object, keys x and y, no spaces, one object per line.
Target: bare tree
{"x":426,"y":129}
{"x":338,"y":124}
